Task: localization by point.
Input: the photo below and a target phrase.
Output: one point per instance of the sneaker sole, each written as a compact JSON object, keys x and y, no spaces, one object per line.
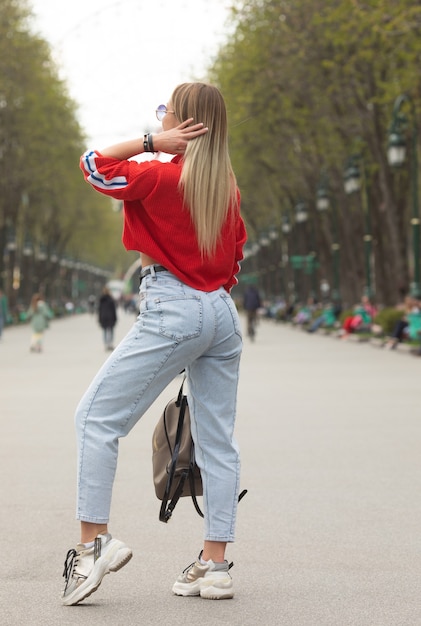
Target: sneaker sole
{"x":186,"y":590}
{"x":101,"y":569}
{"x":205,"y":589}
{"x":213,"y":593}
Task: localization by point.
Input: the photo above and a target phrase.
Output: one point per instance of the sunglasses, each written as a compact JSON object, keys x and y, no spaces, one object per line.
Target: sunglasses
{"x":161,"y":112}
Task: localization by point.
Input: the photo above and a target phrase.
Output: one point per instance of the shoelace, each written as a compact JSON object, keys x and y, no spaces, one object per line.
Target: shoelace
{"x":188,"y":567}
{"x":70,"y":561}
{"x":194,"y":563}
{"x":69,"y":564}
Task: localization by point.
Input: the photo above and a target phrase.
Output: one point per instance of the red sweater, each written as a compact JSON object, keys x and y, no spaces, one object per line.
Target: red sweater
{"x":157,"y":223}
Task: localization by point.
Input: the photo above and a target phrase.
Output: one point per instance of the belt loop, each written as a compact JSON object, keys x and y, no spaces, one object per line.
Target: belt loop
{"x":153,"y":273}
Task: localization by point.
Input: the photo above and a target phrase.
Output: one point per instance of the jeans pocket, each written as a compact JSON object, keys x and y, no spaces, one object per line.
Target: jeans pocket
{"x":234,"y":313}
{"x":180,"y":318}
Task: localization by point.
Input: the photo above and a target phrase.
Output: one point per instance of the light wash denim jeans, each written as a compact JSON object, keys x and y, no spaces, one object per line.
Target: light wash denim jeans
{"x":178,"y":327}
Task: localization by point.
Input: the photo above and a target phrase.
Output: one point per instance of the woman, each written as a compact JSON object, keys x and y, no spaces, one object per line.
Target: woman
{"x":107,"y":316}
{"x":39,"y":314}
{"x":184,"y":219}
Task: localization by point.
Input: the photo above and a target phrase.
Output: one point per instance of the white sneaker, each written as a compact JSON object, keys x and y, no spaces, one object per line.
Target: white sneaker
{"x":211,"y":581}
{"x":84,"y":568}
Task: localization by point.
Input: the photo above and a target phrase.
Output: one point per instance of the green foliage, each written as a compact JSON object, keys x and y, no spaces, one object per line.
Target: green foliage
{"x":43,"y":197}
{"x":387,"y":318}
{"x":308,"y":83}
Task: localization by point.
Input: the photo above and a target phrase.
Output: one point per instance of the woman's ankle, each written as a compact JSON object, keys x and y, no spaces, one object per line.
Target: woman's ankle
{"x":214,"y":550}
{"x":89,"y":531}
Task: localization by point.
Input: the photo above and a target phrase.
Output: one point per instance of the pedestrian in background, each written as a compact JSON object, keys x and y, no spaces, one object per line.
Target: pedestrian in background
{"x":39,"y":314}
{"x":251,"y":304}
{"x":107,"y":316}
{"x":91,"y":303}
{"x":183,"y":216}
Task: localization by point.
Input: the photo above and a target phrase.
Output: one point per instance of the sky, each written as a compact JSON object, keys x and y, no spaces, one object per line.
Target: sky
{"x":121,"y":58}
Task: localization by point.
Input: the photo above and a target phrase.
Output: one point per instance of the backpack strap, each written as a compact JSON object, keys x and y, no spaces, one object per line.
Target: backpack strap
{"x":192,"y":483}
{"x":167,"y":509}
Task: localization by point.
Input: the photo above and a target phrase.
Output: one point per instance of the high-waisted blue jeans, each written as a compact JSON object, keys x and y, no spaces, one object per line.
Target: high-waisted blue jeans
{"x":178,"y":327}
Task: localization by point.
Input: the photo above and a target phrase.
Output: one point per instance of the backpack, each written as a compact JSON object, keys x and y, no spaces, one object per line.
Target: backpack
{"x":175,"y":472}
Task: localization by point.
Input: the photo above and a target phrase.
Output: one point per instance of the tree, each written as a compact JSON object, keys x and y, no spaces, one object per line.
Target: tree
{"x":303,"y":81}
{"x":44,"y":202}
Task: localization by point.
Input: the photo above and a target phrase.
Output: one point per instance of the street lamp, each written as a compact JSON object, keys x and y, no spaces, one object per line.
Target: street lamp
{"x":322,"y":197}
{"x":249,"y":265}
{"x":292,"y":280}
{"x":247,"y":250}
{"x":352,"y":176}
{"x":286,"y":227}
{"x":301,"y":216}
{"x":301,"y":213}
{"x":264,"y":240}
{"x":355,"y":178}
{"x":396,"y":155}
{"x":322,"y":194}
{"x":276,"y":275}
{"x":324,"y":200}
{"x":42,"y":253}
{"x":396,"y":148}
{"x":10,"y":252}
{"x":11,"y":240}
{"x":28,"y":250}
{"x":264,"y":263}
{"x":27,"y":247}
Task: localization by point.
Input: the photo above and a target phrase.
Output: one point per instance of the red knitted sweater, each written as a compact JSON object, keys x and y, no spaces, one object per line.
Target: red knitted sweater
{"x":157,"y":223}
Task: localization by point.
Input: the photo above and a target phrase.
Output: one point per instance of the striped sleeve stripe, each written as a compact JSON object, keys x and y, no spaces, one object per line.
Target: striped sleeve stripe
{"x":96,"y":178}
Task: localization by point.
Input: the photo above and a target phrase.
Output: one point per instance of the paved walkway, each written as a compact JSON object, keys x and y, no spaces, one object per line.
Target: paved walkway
{"x":328,"y":535}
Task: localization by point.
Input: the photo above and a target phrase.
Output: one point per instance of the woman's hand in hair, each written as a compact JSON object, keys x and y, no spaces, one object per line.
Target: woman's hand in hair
{"x":175,"y":140}
{"x":172,"y":141}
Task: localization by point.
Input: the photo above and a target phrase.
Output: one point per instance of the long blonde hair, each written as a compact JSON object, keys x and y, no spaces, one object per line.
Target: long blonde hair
{"x":207,"y":180}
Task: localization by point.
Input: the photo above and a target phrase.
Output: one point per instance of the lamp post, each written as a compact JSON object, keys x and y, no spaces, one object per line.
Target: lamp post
{"x":298,"y":257}
{"x":41,"y":258}
{"x":27,"y":252}
{"x":286,"y":228}
{"x":301,"y":213}
{"x":11,"y":248}
{"x":396,"y":155}
{"x":249,"y":269}
{"x":355,"y":178}
{"x":264,"y":263}
{"x":275,"y":265}
{"x":352,"y":175}
{"x":325,"y":200}
{"x":301,"y":216}
{"x":285,"y":254}
{"x":55,"y":276}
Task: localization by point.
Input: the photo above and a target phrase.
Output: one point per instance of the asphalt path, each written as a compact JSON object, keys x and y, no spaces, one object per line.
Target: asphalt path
{"x":328,"y":534}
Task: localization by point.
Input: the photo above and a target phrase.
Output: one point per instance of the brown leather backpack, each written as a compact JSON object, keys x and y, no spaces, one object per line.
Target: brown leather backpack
{"x":175,"y":472}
